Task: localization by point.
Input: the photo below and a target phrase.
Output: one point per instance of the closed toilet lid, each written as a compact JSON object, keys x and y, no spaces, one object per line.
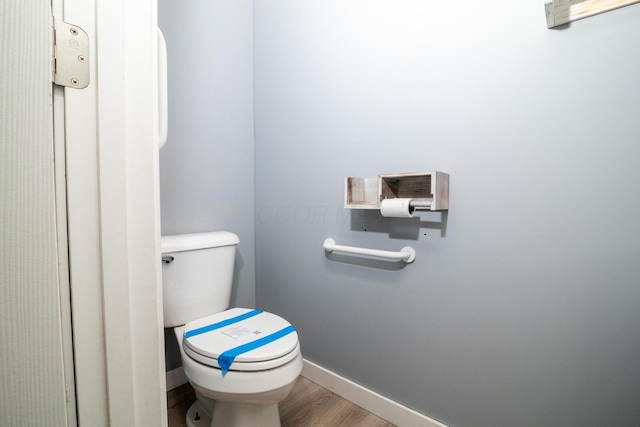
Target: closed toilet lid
{"x":260,"y":339}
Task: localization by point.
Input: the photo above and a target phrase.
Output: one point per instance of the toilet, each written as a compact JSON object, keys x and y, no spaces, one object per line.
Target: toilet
{"x":241,"y":362}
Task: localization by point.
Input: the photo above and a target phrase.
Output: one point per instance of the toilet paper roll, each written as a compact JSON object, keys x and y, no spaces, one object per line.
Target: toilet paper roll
{"x":396,"y":208}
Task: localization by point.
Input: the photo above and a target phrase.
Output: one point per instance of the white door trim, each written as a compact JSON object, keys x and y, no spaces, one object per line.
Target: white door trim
{"x":113,"y":218}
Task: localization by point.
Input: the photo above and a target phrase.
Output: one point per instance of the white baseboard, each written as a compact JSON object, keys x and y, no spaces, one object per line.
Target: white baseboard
{"x":367,"y":399}
{"x":175,"y":378}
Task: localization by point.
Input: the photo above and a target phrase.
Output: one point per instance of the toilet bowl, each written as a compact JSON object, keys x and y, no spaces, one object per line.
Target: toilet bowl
{"x":241,"y":362}
{"x":249,"y":392}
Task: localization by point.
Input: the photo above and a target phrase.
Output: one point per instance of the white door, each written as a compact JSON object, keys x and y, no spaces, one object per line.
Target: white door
{"x":36,"y":368}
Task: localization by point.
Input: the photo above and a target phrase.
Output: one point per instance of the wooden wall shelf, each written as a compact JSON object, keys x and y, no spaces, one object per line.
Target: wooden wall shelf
{"x":429,"y":189}
{"x":560,"y":12}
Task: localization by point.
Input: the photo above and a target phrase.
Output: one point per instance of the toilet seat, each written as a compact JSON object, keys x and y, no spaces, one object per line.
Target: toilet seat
{"x":205,"y":339}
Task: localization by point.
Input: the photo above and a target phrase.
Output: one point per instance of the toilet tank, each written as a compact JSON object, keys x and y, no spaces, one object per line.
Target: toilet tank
{"x":197,"y":275}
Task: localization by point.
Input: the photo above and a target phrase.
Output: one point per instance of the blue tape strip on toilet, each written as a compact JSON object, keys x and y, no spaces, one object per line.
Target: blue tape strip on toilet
{"x":221,"y":324}
{"x":226,"y":359}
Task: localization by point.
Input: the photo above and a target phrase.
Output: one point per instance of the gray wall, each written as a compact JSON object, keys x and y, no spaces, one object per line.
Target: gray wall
{"x":522,"y":307}
{"x":206,"y":167}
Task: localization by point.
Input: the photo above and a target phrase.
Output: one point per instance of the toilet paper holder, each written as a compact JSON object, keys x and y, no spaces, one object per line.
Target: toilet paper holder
{"x":426,"y":190}
{"x":421,"y":203}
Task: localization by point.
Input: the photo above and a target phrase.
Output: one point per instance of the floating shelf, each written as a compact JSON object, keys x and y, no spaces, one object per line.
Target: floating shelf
{"x":361,"y":193}
{"x":561,"y":12}
{"x":430,"y":190}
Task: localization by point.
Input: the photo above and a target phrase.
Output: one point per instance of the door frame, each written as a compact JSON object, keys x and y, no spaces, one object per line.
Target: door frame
{"x":112,"y":210}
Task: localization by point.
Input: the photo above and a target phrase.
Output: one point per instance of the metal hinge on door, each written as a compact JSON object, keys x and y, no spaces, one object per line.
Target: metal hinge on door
{"x":70,"y":55}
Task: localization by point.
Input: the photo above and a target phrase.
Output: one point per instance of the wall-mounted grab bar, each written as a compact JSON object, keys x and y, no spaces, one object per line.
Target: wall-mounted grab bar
{"x":406,"y":254}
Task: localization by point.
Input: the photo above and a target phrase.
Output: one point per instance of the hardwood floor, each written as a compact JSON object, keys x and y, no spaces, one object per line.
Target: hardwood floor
{"x":308,"y":404}
{"x":178,"y":402}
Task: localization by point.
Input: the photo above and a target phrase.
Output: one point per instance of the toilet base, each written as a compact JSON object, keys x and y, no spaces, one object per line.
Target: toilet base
{"x":236,"y":414}
{"x":198,"y":416}
{"x":233,"y":414}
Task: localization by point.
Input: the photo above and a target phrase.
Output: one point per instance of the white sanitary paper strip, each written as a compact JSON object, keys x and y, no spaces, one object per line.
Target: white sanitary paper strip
{"x":240,"y":332}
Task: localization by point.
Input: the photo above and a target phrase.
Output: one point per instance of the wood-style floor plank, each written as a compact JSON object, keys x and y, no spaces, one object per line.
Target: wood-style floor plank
{"x":178,"y":402}
{"x":307,"y":405}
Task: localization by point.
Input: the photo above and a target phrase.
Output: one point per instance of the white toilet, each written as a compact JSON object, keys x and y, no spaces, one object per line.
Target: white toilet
{"x":241,"y":362}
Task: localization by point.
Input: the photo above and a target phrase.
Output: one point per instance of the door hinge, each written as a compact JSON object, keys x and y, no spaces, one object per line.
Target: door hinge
{"x":70,"y":55}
